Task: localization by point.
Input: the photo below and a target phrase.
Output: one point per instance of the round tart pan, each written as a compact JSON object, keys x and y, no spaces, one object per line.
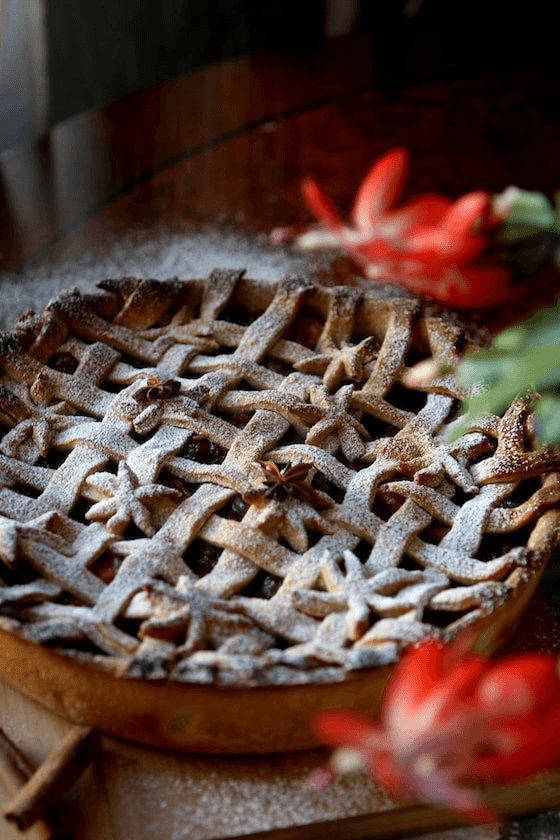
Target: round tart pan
{"x":225,"y":504}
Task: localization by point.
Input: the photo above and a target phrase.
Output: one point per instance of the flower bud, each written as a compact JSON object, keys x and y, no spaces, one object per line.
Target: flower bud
{"x":524,"y":213}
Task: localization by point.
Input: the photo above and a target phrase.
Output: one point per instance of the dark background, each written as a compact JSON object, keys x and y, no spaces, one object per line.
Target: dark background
{"x":100,"y":50}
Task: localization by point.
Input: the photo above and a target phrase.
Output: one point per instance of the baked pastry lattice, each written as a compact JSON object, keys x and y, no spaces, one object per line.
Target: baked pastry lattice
{"x":226,"y":482}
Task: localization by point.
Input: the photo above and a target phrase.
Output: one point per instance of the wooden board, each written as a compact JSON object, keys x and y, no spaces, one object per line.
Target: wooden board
{"x":134,"y":791}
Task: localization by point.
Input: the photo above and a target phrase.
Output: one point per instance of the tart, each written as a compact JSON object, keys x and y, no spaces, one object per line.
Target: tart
{"x":224,"y":504}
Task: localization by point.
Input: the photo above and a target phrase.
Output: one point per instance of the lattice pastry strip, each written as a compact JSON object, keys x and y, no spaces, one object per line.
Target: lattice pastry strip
{"x":230,"y":481}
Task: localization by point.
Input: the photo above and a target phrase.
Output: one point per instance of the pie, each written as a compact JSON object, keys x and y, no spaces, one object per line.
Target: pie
{"x":224,"y":504}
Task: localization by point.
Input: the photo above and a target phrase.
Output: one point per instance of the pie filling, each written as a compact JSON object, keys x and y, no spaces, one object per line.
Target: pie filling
{"x":223,"y":481}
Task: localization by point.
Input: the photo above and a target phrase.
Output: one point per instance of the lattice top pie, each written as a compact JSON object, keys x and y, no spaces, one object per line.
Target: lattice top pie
{"x":226,"y":482}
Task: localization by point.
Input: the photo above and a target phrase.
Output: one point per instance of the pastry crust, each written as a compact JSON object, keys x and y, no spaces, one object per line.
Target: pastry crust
{"x":220,"y":494}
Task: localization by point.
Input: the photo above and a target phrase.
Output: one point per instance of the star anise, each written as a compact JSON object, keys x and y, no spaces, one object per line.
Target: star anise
{"x":157,"y":390}
{"x":290,"y":481}
{"x":287,"y":483}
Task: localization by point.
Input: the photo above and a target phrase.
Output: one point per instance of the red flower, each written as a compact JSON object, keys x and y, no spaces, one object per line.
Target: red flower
{"x":429,"y":245}
{"x":449,"y":719}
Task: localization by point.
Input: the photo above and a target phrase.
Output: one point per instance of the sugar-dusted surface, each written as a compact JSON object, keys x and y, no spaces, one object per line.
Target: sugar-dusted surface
{"x":165,"y":254}
{"x":235,"y":796}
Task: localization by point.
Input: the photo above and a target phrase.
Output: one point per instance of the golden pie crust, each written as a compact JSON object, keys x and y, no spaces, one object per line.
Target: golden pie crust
{"x":223,"y":506}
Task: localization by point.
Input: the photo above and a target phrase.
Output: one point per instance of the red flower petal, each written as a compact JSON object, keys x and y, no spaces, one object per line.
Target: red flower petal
{"x":459,"y":688}
{"x":469,"y":804}
{"x":380,"y":188}
{"x":439,"y":245}
{"x":426,"y":210}
{"x":484,"y":286}
{"x":535,"y":745}
{"x":468,"y":287}
{"x":320,"y":204}
{"x":383,"y":771}
{"x":516,"y":684}
{"x":418,"y":672}
{"x":343,"y":727}
{"x":463,"y":214}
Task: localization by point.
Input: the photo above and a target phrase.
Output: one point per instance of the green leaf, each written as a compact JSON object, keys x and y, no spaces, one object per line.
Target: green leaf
{"x":511,"y":339}
{"x":541,"y":329}
{"x":522,"y":359}
{"x":557,"y":211}
{"x":547,"y":412}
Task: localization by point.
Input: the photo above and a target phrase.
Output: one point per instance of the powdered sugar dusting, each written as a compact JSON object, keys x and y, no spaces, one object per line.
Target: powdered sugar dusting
{"x":228,"y":797}
{"x":165,"y":254}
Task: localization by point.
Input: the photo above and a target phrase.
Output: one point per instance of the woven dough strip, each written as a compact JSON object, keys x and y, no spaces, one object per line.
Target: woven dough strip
{"x":226,"y":482}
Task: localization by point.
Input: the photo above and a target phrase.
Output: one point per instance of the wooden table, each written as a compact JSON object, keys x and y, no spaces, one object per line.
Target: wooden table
{"x":210,"y":162}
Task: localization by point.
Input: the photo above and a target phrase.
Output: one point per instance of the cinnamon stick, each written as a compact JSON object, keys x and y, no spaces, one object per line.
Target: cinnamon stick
{"x":15,"y":770}
{"x":60,"y":770}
